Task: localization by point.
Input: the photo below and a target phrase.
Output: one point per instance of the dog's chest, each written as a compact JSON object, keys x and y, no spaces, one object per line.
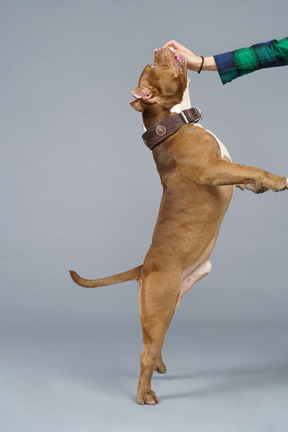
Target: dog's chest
{"x":223,"y":149}
{"x":186,"y":104}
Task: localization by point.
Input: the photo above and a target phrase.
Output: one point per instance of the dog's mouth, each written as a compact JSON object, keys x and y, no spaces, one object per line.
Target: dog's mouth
{"x":179,"y":61}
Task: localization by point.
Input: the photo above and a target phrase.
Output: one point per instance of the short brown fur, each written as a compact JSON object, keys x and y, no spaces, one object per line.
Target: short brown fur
{"x":197,"y":189}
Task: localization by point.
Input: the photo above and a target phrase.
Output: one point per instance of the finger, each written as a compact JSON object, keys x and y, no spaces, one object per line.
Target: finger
{"x":176,"y":45}
{"x":170,"y":43}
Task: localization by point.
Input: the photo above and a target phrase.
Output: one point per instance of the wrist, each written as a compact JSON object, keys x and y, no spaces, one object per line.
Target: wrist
{"x":202,"y":63}
{"x":195,"y":63}
{"x":209,"y":64}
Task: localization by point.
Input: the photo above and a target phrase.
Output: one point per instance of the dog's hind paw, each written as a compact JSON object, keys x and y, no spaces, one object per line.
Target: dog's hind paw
{"x":147,"y":397}
{"x":160,"y":367}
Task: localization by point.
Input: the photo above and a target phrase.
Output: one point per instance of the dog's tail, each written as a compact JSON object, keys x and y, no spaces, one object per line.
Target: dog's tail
{"x":129,"y":275}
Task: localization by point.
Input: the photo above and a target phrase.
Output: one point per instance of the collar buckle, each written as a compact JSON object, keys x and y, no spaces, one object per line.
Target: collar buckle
{"x":184,"y":117}
{"x":199,"y":112}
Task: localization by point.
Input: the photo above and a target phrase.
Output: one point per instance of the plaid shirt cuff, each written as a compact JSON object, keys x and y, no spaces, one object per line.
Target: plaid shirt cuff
{"x":226,"y":67}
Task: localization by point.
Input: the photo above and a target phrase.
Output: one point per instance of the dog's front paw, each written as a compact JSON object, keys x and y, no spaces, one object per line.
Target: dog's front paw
{"x":281,"y":186}
{"x":147,"y":397}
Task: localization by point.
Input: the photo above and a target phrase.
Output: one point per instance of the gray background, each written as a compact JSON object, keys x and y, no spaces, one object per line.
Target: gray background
{"x":79,"y":190}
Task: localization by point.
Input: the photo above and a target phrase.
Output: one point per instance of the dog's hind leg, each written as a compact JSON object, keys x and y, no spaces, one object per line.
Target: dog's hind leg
{"x":157,"y":300}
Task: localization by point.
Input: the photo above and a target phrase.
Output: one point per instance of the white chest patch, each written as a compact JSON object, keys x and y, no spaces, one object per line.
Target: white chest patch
{"x":186,"y":104}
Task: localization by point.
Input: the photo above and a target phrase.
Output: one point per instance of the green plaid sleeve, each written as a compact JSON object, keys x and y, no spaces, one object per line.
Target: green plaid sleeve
{"x":243,"y":61}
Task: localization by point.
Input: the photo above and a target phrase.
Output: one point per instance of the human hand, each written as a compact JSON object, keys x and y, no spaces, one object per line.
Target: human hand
{"x":193,"y":61}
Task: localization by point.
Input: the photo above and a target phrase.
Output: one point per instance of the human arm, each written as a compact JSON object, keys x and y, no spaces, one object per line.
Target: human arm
{"x":232,"y":65}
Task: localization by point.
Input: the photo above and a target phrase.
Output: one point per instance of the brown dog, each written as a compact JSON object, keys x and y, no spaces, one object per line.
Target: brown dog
{"x":198,"y":179}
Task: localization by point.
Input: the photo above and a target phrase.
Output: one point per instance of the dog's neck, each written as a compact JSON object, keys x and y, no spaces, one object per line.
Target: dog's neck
{"x":185,"y":103}
{"x":155,"y":114}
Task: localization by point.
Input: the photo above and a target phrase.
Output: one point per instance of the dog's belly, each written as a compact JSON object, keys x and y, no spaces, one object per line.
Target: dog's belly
{"x":192,"y":275}
{"x":196,"y":271}
{"x":201,"y":267}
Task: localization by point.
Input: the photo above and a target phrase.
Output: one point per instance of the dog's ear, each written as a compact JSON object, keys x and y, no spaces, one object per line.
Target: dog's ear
{"x":144,"y":94}
{"x":137,"y":105}
{"x":141,"y":93}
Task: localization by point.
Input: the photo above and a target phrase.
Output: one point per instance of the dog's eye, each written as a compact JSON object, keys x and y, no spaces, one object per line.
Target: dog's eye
{"x":153,"y":65}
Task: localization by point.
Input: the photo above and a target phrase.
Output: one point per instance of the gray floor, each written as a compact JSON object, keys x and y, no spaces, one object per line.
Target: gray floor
{"x":220,"y":378}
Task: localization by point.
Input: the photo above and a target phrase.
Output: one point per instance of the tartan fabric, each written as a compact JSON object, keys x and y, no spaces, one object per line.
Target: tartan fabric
{"x":243,"y":61}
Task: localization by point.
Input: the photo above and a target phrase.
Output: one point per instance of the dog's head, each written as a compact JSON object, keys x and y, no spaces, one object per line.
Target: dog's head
{"x":162,"y":83}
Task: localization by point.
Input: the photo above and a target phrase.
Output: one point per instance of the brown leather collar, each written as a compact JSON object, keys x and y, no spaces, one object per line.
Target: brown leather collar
{"x":166,"y":127}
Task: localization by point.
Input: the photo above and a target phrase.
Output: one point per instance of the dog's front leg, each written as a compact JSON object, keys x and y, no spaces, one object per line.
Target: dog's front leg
{"x":226,"y":173}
